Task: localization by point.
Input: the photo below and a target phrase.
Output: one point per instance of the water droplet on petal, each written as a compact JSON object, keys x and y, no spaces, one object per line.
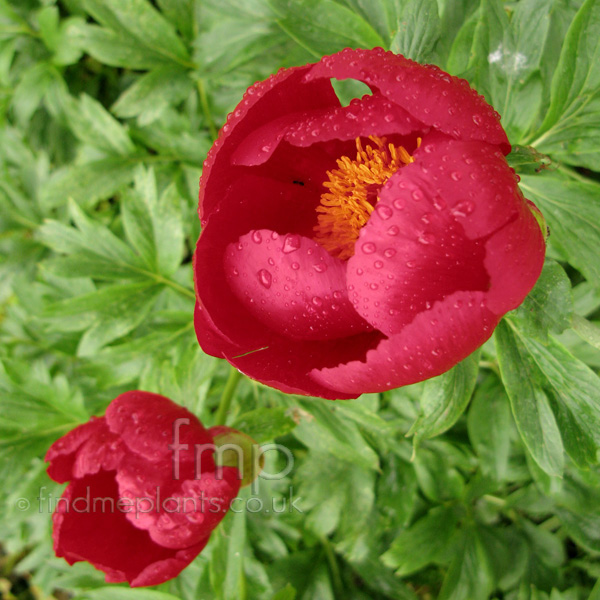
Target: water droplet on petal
{"x":399,"y":203}
{"x":295,"y":266}
{"x":369,"y":247}
{"x":291,"y":243}
{"x":320,"y":268}
{"x":456,"y":175}
{"x":477,"y":119}
{"x":411,"y":264}
{"x":265,"y":278}
{"x":385,"y":212}
{"x":378,"y":264}
{"x":417,"y":195}
{"x":389,"y":252}
{"x":426,"y":238}
{"x":439,"y":203}
{"x":462,"y":209}
{"x":393,"y":230}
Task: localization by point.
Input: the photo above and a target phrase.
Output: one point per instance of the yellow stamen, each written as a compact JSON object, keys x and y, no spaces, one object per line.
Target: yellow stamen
{"x":353,"y":193}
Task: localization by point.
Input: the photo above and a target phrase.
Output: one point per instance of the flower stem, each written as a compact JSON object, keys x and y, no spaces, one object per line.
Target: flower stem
{"x":227,"y":396}
{"x":206,"y":109}
{"x":334,"y":570}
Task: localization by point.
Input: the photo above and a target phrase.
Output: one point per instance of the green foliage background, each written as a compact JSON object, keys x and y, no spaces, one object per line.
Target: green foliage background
{"x":481,"y":483}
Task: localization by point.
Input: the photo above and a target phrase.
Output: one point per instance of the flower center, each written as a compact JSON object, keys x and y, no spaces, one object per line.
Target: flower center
{"x":353,"y":193}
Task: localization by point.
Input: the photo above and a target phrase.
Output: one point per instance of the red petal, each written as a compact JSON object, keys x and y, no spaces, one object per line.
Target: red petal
{"x":163,"y":570}
{"x":188,"y":516}
{"x":286,"y":364}
{"x":429,"y":94}
{"x":472,"y":178}
{"x":62,"y":454}
{"x":278,"y":96}
{"x":434,"y":342}
{"x":373,"y":115}
{"x":175,"y":508}
{"x":101,"y":535}
{"x":514,"y":260}
{"x":284,"y":207}
{"x":292,"y":285}
{"x":149,"y":423}
{"x":211,"y":340}
{"x":104,"y":450}
{"x":411,"y":254}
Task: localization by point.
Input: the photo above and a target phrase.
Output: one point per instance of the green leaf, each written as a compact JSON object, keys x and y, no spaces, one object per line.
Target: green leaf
{"x":572,"y":211}
{"x":578,"y":507}
{"x":227,"y":564}
{"x":95,"y":126}
{"x":548,"y":307}
{"x":322,"y":430}
{"x":418,"y":30}
{"x":529,"y":401}
{"x":460,"y":53}
{"x":437,"y":476}
{"x":115,"y":49}
{"x":324,"y":26}
{"x":490,"y":427}
{"x":506,"y":58}
{"x":139,"y":20}
{"x":153,"y":226}
{"x":88,"y":183}
{"x":287,"y":593}
{"x":96,"y":301}
{"x":154,"y":91}
{"x":570,"y":130}
{"x":92,"y":239}
{"x":572,"y":389}
{"x":575,"y":390}
{"x":381,"y":14}
{"x":426,"y":541}
{"x":31,"y":89}
{"x":445,"y":398}
{"x":588,"y":331}
{"x":336,"y":494}
{"x":453,"y":14}
{"x":507,"y":549}
{"x":265,"y":424}
{"x":180,"y":13}
{"x":397,"y":493}
{"x":470,"y":574}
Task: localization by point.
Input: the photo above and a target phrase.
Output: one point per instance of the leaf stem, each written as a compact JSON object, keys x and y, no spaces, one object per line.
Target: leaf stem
{"x":338,"y":587}
{"x":169,"y":282}
{"x":206,"y":109}
{"x":227,"y":396}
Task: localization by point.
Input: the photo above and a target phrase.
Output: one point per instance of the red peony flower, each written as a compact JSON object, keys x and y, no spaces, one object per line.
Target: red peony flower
{"x":359,"y":248}
{"x":140,"y":504}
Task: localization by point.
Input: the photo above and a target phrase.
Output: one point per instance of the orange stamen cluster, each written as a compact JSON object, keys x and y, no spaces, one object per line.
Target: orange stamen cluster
{"x":353,"y":193}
